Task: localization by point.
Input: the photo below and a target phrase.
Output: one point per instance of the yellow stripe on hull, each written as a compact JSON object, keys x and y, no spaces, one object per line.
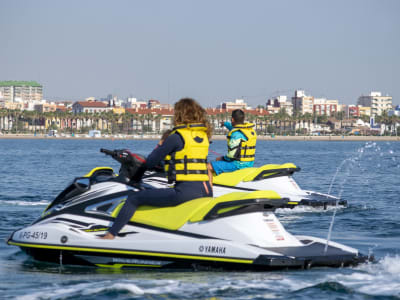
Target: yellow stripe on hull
{"x":181,"y":256}
{"x":119,"y":266}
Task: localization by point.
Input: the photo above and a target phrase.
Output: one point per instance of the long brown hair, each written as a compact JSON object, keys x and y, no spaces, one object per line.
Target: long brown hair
{"x":187,"y":111}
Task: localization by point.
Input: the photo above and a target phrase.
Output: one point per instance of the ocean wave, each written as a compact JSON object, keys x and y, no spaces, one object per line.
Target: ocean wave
{"x":307,"y":209}
{"x":381,"y":278}
{"x":374,"y":279}
{"x":23,"y":203}
{"x":83,"y":289}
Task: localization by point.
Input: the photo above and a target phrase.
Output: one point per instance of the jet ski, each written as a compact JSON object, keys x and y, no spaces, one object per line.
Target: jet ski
{"x":235,"y":231}
{"x":278,"y":178}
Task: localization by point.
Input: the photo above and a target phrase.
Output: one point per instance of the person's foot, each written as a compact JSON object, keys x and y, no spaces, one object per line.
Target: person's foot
{"x":107,"y":236}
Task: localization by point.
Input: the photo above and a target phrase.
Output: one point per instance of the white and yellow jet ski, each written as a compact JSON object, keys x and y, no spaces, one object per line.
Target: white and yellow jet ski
{"x":278,"y":178}
{"x":236,"y":231}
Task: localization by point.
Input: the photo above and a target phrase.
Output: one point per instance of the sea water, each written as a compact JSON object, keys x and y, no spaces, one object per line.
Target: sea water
{"x":33,"y":172}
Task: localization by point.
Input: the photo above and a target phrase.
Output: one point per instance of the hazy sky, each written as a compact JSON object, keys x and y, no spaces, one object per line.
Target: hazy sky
{"x":210,"y":50}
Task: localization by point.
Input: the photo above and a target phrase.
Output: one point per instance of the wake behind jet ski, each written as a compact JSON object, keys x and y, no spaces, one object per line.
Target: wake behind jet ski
{"x":236,"y":231}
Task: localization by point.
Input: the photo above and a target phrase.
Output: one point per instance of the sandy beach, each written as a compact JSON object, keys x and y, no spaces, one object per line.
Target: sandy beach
{"x":218,"y":137}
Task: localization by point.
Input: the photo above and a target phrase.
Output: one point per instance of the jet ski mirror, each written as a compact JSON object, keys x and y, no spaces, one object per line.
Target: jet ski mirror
{"x":82,"y":184}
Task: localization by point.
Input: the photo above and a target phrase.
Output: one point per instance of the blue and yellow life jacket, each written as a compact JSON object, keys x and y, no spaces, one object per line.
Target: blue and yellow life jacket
{"x":190,"y":163}
{"x":246,"y":150}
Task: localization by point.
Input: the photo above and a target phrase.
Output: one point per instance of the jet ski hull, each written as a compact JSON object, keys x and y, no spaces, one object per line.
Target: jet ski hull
{"x":62,"y":240}
{"x":236,"y":231}
{"x":126,"y":261}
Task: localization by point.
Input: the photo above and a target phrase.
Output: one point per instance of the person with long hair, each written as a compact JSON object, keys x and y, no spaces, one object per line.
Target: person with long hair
{"x":184,"y":152}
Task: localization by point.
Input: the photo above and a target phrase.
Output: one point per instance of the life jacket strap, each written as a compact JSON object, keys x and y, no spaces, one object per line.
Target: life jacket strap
{"x":188,"y":126}
{"x":186,"y":172}
{"x":188,"y":160}
{"x":171,"y":169}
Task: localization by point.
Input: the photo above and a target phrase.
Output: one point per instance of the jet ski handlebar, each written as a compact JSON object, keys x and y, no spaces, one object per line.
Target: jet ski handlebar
{"x":123,"y":156}
{"x":130,"y":162}
{"x":108,"y":152}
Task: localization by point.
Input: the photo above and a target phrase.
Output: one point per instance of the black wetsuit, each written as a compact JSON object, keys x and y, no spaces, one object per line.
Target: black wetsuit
{"x":183,"y":190}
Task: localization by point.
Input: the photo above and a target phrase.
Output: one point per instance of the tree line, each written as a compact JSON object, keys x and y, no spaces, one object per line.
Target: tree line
{"x":17,"y":121}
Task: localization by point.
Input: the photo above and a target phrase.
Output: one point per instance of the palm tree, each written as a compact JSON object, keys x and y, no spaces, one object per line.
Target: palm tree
{"x":149,"y":118}
{"x":157,"y":119}
{"x":141,"y":118}
{"x":309,"y":118}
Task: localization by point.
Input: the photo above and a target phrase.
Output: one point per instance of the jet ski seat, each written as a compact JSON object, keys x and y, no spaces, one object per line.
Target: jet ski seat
{"x":254,"y":174}
{"x":201,"y":209}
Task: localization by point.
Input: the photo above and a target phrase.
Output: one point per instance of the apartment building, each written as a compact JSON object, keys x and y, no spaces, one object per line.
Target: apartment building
{"x":238,"y":104}
{"x":377,"y":102}
{"x":302,"y":103}
{"x":274,"y":105}
{"x":20,"y":91}
{"x":325,"y":107}
{"x":134,"y":103}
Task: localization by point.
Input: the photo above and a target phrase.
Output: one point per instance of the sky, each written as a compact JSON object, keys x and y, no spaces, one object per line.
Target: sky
{"x":210,"y":50}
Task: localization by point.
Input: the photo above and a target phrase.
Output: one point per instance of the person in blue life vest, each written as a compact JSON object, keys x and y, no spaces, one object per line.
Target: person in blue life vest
{"x":184,"y":152}
{"x":241,"y":140}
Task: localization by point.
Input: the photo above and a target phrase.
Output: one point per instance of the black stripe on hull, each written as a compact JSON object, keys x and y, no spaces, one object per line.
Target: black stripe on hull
{"x":262,"y":263}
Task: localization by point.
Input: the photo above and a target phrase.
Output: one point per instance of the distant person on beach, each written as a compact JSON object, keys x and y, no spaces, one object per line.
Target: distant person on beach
{"x":241,"y":146}
{"x":184,"y":151}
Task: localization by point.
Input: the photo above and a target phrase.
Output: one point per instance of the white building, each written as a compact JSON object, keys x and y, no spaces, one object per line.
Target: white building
{"x":274,"y":105}
{"x":238,"y":104}
{"x":19,"y":91}
{"x":377,"y":102}
{"x":302,"y":103}
{"x":323,"y":106}
{"x":394,"y":112}
{"x":134,"y":103}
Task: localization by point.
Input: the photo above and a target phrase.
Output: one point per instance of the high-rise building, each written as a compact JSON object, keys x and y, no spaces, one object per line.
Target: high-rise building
{"x":377,"y":102}
{"x":20,"y":91}
{"x":301,"y":103}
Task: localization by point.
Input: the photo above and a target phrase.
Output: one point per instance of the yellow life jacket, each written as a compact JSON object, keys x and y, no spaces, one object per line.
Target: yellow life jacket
{"x":246,"y":150}
{"x":190,"y":163}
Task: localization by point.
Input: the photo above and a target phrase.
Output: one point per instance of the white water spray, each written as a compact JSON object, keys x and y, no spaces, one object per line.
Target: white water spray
{"x":349,"y":163}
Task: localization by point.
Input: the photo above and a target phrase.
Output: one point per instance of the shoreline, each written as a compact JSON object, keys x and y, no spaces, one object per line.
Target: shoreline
{"x":215,"y":137}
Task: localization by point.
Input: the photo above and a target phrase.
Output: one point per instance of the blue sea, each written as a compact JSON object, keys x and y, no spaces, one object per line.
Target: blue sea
{"x":366,"y":174}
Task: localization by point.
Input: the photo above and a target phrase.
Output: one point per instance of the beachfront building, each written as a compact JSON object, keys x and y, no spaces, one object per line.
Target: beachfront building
{"x":277,"y":104}
{"x":134,"y":103}
{"x":153,"y":103}
{"x":322,"y":106}
{"x":151,"y":120}
{"x":394,"y":112}
{"x":20,"y":91}
{"x":217,"y":116}
{"x":238,"y":104}
{"x":364,"y":110}
{"x":377,"y":102}
{"x":89,"y":107}
{"x":50,"y":107}
{"x":302,"y":103}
